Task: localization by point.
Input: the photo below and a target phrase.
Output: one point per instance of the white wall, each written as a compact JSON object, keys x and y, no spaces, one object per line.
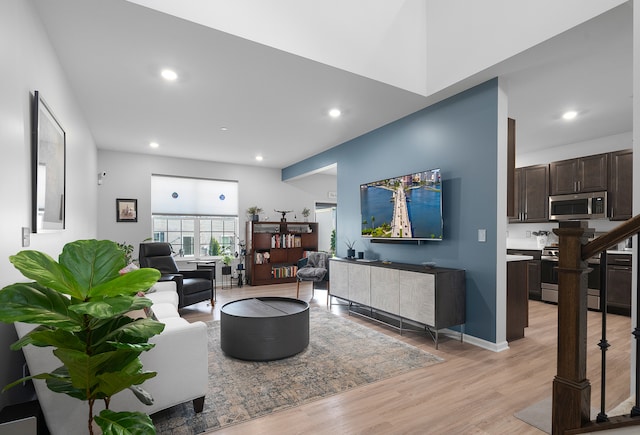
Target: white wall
{"x":605,"y":144}
{"x":465,"y":37}
{"x":29,"y":63}
{"x":380,"y":39}
{"x":129,"y":176}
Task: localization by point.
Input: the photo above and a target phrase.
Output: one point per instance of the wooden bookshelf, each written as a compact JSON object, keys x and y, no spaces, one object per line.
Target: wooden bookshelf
{"x":274,"y":248}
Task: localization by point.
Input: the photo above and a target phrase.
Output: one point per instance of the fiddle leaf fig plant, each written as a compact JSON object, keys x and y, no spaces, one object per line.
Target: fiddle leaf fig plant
{"x":79,"y":304}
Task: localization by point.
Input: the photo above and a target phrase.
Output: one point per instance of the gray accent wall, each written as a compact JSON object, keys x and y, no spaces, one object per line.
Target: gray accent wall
{"x":458,"y":135}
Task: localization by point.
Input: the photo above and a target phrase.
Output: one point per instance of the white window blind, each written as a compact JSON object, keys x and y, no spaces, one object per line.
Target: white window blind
{"x":193,"y":196}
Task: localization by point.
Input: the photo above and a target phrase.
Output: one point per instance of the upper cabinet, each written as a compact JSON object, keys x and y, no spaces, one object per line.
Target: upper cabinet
{"x":620,"y":185}
{"x":584,"y":174}
{"x":531,"y":198}
{"x":611,"y":172}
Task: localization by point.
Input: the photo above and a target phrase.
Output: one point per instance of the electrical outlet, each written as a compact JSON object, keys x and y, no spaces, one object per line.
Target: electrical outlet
{"x":528,"y":234}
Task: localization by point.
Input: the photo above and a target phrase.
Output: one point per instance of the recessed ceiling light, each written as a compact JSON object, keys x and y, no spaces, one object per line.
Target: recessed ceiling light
{"x":224,"y":128}
{"x":169,"y":75}
{"x":571,"y":114}
{"x":154,"y":145}
{"x":259,"y":158}
{"x":334,"y":113}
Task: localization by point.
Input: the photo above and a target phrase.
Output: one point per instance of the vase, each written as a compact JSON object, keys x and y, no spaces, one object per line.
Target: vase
{"x":351,"y":253}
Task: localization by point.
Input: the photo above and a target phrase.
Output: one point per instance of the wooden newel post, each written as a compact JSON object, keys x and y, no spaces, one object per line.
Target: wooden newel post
{"x":571,"y":388}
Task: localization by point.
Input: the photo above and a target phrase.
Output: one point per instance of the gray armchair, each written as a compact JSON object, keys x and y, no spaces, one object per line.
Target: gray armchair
{"x":314,"y":268}
{"x":193,"y":285}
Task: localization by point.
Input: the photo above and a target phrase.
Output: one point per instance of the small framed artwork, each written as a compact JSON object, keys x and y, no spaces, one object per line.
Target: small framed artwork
{"x":126,"y":210}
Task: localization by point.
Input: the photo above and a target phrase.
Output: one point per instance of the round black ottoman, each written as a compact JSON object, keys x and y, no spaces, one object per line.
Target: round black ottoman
{"x":264,"y":328}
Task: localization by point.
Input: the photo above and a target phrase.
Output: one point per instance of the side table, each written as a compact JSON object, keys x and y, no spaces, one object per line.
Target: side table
{"x":264,"y":328}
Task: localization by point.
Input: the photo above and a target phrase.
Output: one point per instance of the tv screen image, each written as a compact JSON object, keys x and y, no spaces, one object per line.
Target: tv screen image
{"x":406,"y":207}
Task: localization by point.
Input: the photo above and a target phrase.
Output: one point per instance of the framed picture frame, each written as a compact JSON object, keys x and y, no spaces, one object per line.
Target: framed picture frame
{"x":126,"y":210}
{"x":48,"y":168}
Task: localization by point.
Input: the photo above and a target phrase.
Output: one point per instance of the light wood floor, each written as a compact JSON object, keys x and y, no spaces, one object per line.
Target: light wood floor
{"x":474,"y":392}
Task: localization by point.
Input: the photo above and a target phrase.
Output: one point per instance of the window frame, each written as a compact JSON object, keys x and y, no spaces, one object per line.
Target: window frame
{"x":162,"y":234}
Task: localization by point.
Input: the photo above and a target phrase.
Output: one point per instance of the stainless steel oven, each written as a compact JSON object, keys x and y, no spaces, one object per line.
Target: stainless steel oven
{"x":549,"y":278}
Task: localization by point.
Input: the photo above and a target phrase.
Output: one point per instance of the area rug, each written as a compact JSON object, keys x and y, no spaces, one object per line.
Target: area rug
{"x":341,"y":355}
{"x":539,"y":414}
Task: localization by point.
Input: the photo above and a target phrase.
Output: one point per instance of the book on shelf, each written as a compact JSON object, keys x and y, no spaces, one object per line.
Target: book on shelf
{"x":286,"y":241}
{"x":284,"y":271}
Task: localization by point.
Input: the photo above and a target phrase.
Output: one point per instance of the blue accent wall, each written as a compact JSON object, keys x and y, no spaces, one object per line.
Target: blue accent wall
{"x":459,"y":136}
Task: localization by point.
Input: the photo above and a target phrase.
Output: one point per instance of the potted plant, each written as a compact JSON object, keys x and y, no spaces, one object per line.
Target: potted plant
{"x":305,"y":213}
{"x":253,"y":213}
{"x":351,"y":252}
{"x":226,"y":269}
{"x":333,"y":242}
{"x":127,"y":249}
{"x":79,"y":304}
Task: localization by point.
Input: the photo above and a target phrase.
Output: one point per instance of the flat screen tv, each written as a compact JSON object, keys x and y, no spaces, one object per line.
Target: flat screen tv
{"x":403,"y":208}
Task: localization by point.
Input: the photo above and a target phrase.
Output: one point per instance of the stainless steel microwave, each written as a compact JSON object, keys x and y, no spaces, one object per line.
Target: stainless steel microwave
{"x":591,"y":205}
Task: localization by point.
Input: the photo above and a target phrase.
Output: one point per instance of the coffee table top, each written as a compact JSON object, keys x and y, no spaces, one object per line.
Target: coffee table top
{"x":267,"y":306}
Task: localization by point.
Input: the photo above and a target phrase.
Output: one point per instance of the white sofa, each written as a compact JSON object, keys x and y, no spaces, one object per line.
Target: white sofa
{"x":180,"y":358}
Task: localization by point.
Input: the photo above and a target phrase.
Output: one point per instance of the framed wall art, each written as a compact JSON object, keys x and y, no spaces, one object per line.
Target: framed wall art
{"x":48,"y":167}
{"x":126,"y":210}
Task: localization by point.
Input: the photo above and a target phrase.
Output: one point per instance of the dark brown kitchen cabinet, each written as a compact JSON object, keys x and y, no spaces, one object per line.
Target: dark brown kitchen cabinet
{"x":619,"y":276}
{"x":584,"y":174}
{"x":534,"y":272}
{"x":533,"y":280}
{"x":517,"y":300}
{"x":531,"y":194}
{"x":620,"y":185}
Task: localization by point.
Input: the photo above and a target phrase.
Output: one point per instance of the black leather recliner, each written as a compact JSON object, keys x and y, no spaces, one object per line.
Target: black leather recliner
{"x":193,"y":285}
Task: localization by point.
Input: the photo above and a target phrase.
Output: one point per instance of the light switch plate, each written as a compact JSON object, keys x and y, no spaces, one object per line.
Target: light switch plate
{"x":26,"y":237}
{"x":482,"y":235}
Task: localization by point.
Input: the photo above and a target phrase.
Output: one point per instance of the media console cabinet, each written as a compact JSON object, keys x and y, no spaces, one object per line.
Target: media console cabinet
{"x":430,"y":296}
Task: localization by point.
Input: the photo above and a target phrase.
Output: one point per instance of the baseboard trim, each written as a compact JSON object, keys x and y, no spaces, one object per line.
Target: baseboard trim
{"x":494,"y":347}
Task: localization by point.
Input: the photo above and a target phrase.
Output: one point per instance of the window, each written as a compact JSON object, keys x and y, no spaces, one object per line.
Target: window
{"x":198,"y":217}
{"x":197,"y":236}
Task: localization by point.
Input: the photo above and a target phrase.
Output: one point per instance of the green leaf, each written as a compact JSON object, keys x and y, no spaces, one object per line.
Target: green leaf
{"x":44,"y":336}
{"x":27,"y":378}
{"x":141,"y":328}
{"x":92,"y":262}
{"x":106,"y":307}
{"x":84,"y":369}
{"x":59,"y":381}
{"x":34,"y":303}
{"x":142,"y":395}
{"x":43,"y":269}
{"x":114,"y":382}
{"x":129,"y":283}
{"x":125,"y":330}
{"x":140,"y":347}
{"x":124,"y":423}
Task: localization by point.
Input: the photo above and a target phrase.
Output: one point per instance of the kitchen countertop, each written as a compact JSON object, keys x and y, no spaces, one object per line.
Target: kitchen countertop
{"x":617,"y":251}
{"x":511,"y":257}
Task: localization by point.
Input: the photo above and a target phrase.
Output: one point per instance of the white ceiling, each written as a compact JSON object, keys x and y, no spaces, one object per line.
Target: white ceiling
{"x":275,"y":103}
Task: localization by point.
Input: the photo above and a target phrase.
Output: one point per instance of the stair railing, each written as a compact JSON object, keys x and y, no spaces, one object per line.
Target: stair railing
{"x":571,"y":407}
